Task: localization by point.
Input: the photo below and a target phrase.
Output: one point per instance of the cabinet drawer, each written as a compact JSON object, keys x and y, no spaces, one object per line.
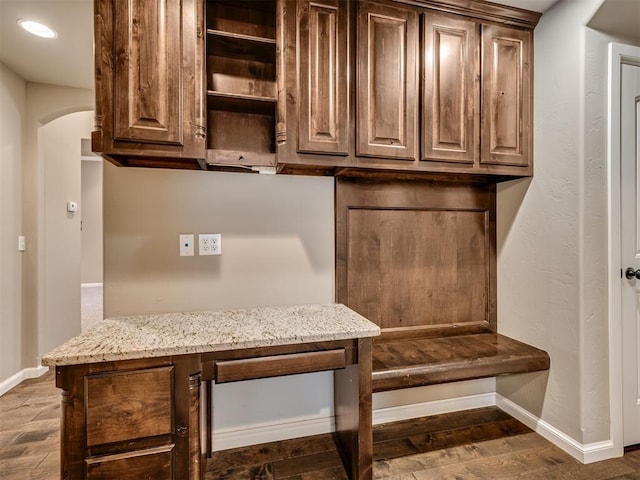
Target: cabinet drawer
{"x":156,"y":463}
{"x":128,"y":405}
{"x":274,"y":366}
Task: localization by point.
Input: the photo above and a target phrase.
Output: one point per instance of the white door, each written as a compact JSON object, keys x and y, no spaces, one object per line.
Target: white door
{"x":630,"y":244}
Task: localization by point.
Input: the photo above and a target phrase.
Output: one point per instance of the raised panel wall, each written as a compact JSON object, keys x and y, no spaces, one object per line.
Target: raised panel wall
{"x":416,"y":254}
{"x":416,"y":267}
{"x":387,"y":82}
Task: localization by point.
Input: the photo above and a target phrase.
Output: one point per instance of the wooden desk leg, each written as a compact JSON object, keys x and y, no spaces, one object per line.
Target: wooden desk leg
{"x":208,"y":408}
{"x":189,"y":461}
{"x":73,"y":437}
{"x":196,"y":470}
{"x":352,"y":402}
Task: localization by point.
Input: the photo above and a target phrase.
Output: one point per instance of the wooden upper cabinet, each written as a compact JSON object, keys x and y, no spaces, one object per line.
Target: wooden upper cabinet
{"x":506,"y":94}
{"x":147,"y":78}
{"x":315,"y":86}
{"x":387,"y":82}
{"x":149,"y":95}
{"x":451,"y":63}
{"x":323,"y":122}
{"x":243,"y":88}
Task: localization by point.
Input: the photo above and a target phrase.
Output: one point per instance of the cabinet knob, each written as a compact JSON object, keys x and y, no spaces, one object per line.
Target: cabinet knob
{"x":182,"y":430}
{"x":632,"y":273}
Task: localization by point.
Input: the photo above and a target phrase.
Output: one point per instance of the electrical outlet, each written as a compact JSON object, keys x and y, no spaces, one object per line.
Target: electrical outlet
{"x":186,"y":245}
{"x":210,"y":244}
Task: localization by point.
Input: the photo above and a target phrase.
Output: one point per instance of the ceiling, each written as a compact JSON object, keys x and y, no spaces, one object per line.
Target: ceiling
{"x":619,"y":18}
{"x":68,"y":60}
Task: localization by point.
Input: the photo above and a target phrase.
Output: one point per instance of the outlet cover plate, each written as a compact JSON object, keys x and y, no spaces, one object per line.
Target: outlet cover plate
{"x":210,"y":244}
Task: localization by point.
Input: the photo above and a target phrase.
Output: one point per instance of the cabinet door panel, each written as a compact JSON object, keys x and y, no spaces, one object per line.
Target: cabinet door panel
{"x":128,"y":405}
{"x":387,"y":82}
{"x":156,"y":463}
{"x":451,"y":66}
{"x":324,"y":104}
{"x":148,"y":71}
{"x":506,"y":90}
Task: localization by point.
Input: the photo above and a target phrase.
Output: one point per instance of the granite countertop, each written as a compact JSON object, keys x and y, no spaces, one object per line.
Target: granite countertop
{"x":159,"y":335}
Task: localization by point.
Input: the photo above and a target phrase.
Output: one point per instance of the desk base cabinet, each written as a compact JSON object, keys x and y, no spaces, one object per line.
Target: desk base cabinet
{"x":140,"y":419}
{"x":131,"y":420}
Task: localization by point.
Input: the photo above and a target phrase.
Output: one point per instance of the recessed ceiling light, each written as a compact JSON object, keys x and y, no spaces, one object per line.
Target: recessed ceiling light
{"x":38,"y":29}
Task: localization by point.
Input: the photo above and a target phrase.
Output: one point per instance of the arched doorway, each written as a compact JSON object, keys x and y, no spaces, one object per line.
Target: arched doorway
{"x":59,"y":154}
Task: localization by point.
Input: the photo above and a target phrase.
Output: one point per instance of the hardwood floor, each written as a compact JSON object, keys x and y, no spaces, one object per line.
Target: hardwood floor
{"x":30,"y":431}
{"x":479,"y":444}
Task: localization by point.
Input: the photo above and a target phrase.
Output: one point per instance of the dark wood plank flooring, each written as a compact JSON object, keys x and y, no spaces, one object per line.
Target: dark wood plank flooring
{"x":479,"y":444}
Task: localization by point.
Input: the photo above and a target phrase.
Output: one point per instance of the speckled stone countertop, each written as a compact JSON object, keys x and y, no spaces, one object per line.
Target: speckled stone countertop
{"x":159,"y":335}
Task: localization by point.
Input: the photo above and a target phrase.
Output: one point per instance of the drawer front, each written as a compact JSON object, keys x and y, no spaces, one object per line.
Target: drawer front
{"x":128,"y":405}
{"x":152,"y":463}
{"x":278,"y":365}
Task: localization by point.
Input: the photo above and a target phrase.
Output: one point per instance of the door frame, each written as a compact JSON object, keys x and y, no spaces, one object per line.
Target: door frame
{"x":619,"y":54}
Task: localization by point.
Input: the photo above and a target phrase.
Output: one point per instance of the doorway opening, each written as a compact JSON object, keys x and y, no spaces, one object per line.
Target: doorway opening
{"x":91,"y":265}
{"x":619,"y":319}
{"x":59,"y":151}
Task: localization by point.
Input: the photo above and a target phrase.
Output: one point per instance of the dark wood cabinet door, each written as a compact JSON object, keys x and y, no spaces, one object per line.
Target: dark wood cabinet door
{"x":323,"y":77}
{"x":506,"y":96}
{"x":387,"y":92}
{"x":131,"y":419}
{"x":451,"y":63}
{"x":149,"y":86}
{"x":148,"y":72}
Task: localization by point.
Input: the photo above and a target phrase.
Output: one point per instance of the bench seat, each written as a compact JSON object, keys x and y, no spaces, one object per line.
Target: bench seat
{"x":450,"y":357}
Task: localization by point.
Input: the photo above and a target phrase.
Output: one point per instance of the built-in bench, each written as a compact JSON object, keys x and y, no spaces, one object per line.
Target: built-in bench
{"x":451,"y":356}
{"x":418,"y":258}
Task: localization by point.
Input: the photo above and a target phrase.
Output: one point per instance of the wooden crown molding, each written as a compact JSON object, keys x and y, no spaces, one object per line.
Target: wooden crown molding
{"x":482,"y":10}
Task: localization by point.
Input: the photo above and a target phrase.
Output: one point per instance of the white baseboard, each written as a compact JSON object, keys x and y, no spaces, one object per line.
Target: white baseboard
{"x":89,"y":285}
{"x":436,"y":407}
{"x":23,"y":374}
{"x":585,"y":453}
{"x":271,"y":432}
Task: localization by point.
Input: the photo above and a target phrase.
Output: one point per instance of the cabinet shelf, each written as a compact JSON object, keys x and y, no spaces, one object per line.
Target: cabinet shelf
{"x":241,"y":82}
{"x":240,"y":103}
{"x":237,"y":45}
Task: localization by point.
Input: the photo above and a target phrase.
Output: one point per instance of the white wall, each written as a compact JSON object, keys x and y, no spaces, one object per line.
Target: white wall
{"x":44,"y":103}
{"x":91,"y":216}
{"x":277,"y":240}
{"x":552,"y":230}
{"x":25,"y":108}
{"x":59,"y":147}
{"x":12,"y":114}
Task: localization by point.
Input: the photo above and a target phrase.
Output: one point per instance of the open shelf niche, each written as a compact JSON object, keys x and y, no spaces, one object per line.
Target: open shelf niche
{"x":241,"y":82}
